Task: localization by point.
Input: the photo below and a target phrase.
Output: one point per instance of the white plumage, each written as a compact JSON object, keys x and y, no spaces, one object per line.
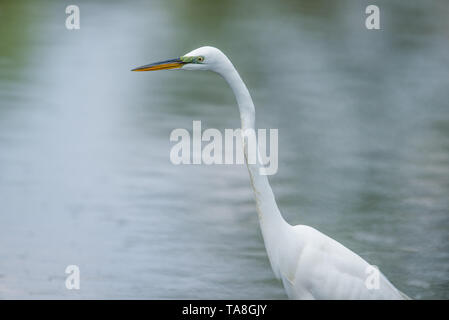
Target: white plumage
{"x":310,"y":264}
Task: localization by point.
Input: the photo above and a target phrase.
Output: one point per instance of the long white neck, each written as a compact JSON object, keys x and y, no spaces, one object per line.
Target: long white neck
{"x":272,"y":224}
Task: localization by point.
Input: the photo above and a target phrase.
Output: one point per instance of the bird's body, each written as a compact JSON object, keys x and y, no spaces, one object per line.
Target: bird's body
{"x":310,"y":264}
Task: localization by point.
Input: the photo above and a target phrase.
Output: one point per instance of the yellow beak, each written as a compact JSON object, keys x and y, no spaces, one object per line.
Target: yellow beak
{"x":161,"y":65}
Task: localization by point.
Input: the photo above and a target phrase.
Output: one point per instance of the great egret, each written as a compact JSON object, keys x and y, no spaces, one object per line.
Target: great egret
{"x":310,"y":264}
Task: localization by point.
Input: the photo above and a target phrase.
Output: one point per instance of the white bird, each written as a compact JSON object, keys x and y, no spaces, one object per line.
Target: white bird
{"x":310,"y":264}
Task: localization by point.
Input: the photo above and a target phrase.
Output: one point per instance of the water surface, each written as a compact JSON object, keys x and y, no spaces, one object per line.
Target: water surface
{"x":85,"y":176}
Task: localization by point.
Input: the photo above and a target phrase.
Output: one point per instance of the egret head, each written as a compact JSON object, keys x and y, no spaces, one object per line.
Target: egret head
{"x":204,"y":58}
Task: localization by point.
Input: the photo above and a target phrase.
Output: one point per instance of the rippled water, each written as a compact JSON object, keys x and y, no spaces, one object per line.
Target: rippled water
{"x":85,"y":176}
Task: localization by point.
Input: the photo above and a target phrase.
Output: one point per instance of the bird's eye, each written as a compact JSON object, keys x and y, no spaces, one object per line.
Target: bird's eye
{"x":200,"y":59}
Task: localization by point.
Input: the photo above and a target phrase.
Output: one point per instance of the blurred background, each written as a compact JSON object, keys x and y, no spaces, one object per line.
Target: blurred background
{"x":85,"y":175}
